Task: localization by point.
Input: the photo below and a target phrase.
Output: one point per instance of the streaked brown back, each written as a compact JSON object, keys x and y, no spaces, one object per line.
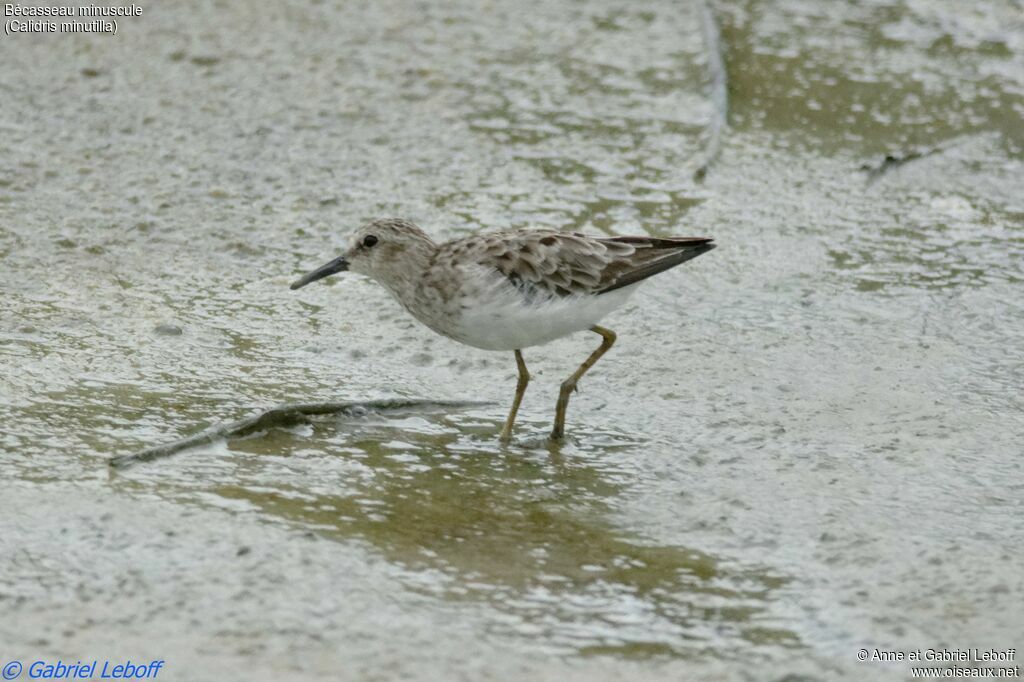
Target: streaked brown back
{"x":566,"y":264}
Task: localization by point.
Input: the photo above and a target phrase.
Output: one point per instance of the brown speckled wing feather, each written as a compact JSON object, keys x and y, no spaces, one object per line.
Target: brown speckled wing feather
{"x":652,"y":255}
{"x":566,"y":264}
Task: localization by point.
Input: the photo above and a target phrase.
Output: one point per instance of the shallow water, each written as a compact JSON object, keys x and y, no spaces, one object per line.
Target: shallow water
{"x":804,"y":443}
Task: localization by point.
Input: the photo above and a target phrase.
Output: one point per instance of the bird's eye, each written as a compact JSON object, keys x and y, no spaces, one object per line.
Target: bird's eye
{"x":369,"y":240}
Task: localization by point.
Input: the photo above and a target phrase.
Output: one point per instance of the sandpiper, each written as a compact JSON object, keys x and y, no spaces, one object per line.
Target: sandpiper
{"x":510,"y":290}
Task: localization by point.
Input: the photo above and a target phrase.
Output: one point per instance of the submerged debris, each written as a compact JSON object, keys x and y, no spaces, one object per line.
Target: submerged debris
{"x":281,"y":416}
{"x":719,"y":90}
{"x":895,"y":160}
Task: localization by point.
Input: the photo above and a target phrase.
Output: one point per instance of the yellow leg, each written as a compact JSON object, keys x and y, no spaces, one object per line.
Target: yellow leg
{"x":569,"y":385}
{"x":524,"y":379}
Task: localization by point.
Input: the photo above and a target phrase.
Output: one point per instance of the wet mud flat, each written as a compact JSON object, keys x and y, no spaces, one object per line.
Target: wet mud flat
{"x":803,"y":444}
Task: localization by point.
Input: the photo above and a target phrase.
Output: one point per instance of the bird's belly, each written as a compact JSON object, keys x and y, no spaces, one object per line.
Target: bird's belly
{"x":511,"y":324}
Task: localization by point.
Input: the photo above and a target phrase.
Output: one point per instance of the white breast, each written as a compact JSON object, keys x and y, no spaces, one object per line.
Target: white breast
{"x":498,"y":316}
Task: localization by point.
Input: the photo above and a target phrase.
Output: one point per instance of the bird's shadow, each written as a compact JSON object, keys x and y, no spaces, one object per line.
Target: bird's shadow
{"x":533,"y":528}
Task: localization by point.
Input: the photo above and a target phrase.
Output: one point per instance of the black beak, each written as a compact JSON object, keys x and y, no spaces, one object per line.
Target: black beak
{"x":326,"y":270}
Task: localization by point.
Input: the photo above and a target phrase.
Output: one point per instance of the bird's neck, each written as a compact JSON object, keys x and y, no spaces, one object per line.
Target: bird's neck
{"x":404,"y":282}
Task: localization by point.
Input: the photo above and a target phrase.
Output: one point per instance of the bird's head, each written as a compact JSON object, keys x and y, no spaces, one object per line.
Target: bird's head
{"x":387,"y":250}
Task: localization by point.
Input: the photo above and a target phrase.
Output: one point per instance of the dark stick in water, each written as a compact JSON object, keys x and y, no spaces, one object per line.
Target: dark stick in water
{"x":719,"y":89}
{"x":896,"y":160}
{"x":280,"y":416}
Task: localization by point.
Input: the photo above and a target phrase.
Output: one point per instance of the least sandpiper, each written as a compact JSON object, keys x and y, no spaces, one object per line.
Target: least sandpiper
{"x":510,"y":290}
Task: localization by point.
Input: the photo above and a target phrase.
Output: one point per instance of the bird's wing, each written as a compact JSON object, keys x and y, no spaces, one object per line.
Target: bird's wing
{"x":568,"y":264}
{"x":651,"y":256}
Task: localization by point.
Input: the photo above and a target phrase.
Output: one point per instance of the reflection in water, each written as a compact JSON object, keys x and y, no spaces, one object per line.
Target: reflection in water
{"x":523,"y":528}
